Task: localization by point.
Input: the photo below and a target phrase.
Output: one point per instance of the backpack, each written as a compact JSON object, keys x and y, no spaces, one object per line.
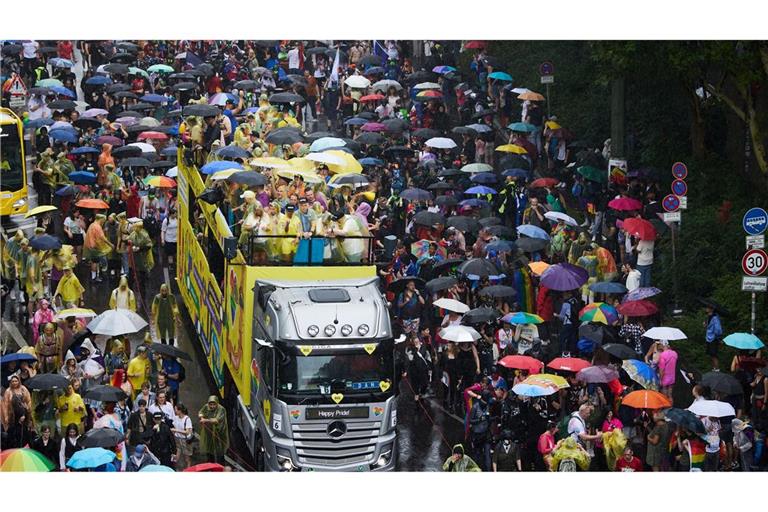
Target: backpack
{"x":562,"y":426}
{"x":576,"y":305}
{"x":182,"y":373}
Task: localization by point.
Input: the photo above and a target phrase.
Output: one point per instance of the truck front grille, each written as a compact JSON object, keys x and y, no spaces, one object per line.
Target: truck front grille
{"x":314,"y":445}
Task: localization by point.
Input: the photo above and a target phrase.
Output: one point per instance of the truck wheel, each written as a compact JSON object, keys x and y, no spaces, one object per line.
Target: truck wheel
{"x":258,"y":455}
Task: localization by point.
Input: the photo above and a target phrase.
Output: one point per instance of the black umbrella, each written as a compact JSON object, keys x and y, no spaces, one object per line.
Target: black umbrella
{"x":126,"y":151}
{"x":135,"y":162}
{"x":283,"y":137}
{"x":169,"y":350}
{"x":619,"y":350}
{"x":514,"y":162}
{"x":527,"y":244}
{"x":11,"y":49}
{"x":232,"y":152}
{"x":286,"y":97}
{"x":371,"y":139}
{"x":142,"y":106}
{"x":101,"y":438}
{"x":48,"y":50}
{"x":47,"y":382}
{"x":483,"y":113}
{"x":127,"y":46}
{"x":125,"y":94}
{"x":398,"y":152}
{"x":184,"y":86}
{"x":420,"y":76}
{"x":498,"y":290}
{"x":248,"y":178}
{"x":87,"y":122}
{"x":352,"y":179}
{"x":416,"y":194}
{"x":441,"y":185}
{"x":181,"y":76}
{"x":124,"y":57}
{"x":453,"y":76}
{"x":130,"y":113}
{"x":394,"y":125}
{"x":714,"y":305}
{"x":480,"y":315}
{"x":446,"y":201}
{"x":685,"y":419}
{"x":200,"y":110}
{"x":490,"y":221}
{"x":500,"y":231}
{"x":370,"y":116}
{"x":464,"y":130}
{"x":427,"y":218}
{"x":42,"y":91}
{"x":44,"y":242}
{"x":312,"y":137}
{"x":480,"y":267}
{"x":120,"y":69}
{"x":439,"y":284}
{"x":205,"y":69}
{"x":246,"y":85}
{"x":113,"y":88}
{"x":62,"y":105}
{"x":317,"y":50}
{"x":450,"y":173}
{"x":296,"y":79}
{"x":331,"y":52}
{"x":444,"y":266}
{"x":105,"y":394}
{"x":162,"y":164}
{"x":398,"y":285}
{"x":371,"y":60}
{"x":425,"y":133}
{"x":723,"y":383}
{"x":464,"y":224}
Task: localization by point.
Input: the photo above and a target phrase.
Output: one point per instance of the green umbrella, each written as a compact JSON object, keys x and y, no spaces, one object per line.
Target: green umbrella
{"x":593,"y":173}
{"x":49,"y":82}
{"x":160,"y":68}
{"x":138,"y":71}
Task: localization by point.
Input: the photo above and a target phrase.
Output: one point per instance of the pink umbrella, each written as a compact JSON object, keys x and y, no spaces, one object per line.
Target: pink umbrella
{"x":625,"y":204}
{"x":109,"y":139}
{"x":127,"y":121}
{"x":374,"y":127}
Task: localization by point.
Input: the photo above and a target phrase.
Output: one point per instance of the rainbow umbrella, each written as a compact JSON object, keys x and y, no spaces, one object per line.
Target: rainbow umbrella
{"x":160,"y":182}
{"x":24,"y":460}
{"x":547,"y":379}
{"x":521,"y":317}
{"x":641,"y":373}
{"x":524,"y":389}
{"x":599,"y":312}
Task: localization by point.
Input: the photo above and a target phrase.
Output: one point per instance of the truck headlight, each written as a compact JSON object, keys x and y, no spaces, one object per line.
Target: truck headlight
{"x":363,"y":330}
{"x":19,"y":203}
{"x":329,"y":330}
{"x":313,"y":330}
{"x":346,"y":330}
{"x":384,"y":459}
{"x":284,"y":460}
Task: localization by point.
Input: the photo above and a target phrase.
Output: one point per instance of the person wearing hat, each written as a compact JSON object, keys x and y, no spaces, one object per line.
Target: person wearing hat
{"x":289,"y":230}
{"x":63,"y":165}
{"x":214,"y":433}
{"x":141,"y":458}
{"x":69,"y":289}
{"x":161,"y":441}
{"x":144,"y":260}
{"x":122,"y":297}
{"x":458,"y":462}
{"x":139,"y":369}
{"x":165,"y":315}
{"x":97,"y":247}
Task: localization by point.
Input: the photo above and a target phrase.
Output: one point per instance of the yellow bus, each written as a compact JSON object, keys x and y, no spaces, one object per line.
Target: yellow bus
{"x":303,"y":355}
{"x":13,"y":165}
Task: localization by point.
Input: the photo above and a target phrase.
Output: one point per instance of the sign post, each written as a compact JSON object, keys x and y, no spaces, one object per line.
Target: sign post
{"x":755,"y":260}
{"x":547,"y":73}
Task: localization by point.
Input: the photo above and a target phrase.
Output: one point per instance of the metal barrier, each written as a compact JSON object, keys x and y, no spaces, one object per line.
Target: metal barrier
{"x":310,"y":251}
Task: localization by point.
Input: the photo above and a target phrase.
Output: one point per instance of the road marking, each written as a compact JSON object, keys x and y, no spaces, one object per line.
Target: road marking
{"x":15,"y":334}
{"x":439,"y":406}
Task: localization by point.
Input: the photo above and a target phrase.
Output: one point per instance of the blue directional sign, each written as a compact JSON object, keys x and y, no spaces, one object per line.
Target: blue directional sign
{"x":755,"y":221}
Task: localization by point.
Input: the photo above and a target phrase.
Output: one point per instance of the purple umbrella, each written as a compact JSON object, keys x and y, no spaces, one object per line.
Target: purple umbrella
{"x":374,"y":127}
{"x":93,"y":112}
{"x":109,"y":139}
{"x":597,"y":374}
{"x":563,"y":277}
{"x":641,"y":293}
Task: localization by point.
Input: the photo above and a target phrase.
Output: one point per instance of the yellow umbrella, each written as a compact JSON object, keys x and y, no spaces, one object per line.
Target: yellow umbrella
{"x":548,"y":380}
{"x":350,"y":165}
{"x":309,"y":177}
{"x":532,"y":96}
{"x":302,"y":164}
{"x":512,"y":148}
{"x":271,"y":162}
{"x":222,"y":175}
{"x":552,"y":125}
{"x":40,"y":209}
{"x":538,"y":267}
{"x":76,"y":312}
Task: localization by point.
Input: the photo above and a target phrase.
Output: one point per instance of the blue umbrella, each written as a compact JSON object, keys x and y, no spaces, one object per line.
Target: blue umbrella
{"x":355,"y":121}
{"x":371,"y":161}
{"x":532,"y":231}
{"x":232,"y":152}
{"x":586,"y":346}
{"x":37,"y":123}
{"x":641,"y":373}
{"x":608,"y":287}
{"x":173,"y":130}
{"x":84,"y":150}
{"x":475,"y":203}
{"x":480,"y":128}
{"x":743,"y":341}
{"x":480,"y":190}
{"x":484,"y":178}
{"x":522,"y":127}
{"x":500,"y":246}
{"x":58,"y":62}
{"x":68,"y":190}
{"x":375,"y":70}
{"x":524,"y":389}
{"x":154,"y":98}
{"x":44,"y":242}
{"x":156,"y":468}
{"x":17,"y":356}
{"x":515,"y":173}
{"x":91,"y":458}
{"x":82,"y":177}
{"x":58,"y":89}
{"x":324,"y":143}
{"x":99,"y":80}
{"x":500,"y":75}
{"x":169,"y":151}
{"x":63,"y":136}
{"x":221,"y":165}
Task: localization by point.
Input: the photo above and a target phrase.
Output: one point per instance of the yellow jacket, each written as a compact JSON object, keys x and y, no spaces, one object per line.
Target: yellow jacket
{"x":70,"y":289}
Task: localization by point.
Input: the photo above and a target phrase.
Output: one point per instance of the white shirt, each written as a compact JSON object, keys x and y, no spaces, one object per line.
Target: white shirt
{"x":166,"y":409}
{"x":170,"y":229}
{"x":293,"y":58}
{"x":40,"y":111}
{"x":633,"y":280}
{"x":181,"y":424}
{"x":576,"y":426}
{"x":73,"y":226}
{"x":645,"y":252}
{"x":30,"y":49}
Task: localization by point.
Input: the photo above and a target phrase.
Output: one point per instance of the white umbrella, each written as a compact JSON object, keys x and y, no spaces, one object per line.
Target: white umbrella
{"x":426,"y":85}
{"x":459,"y":334}
{"x":172,"y":172}
{"x":441,"y":143}
{"x":357,"y":82}
{"x":384,"y":85}
{"x":556,"y":216}
{"x":149,"y":121}
{"x":324,"y":143}
{"x":712,"y":408}
{"x":93,"y":112}
{"x":145,"y":148}
{"x":116,"y":322}
{"x":520,"y":90}
{"x":325,"y":158}
{"x":665,"y":333}
{"x":451,"y":305}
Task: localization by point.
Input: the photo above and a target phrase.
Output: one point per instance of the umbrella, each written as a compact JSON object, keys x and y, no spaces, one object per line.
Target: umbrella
{"x":597,"y":374}
{"x":40,"y":210}
{"x":283,"y":137}
{"x":24,"y":460}
{"x":498,"y":291}
{"x":641,"y":293}
{"x":500,"y":75}
{"x":200,"y":110}
{"x":162,"y":164}
{"x":371,"y":139}
{"x":427,"y":218}
{"x":638,"y":308}
{"x":374,"y":127}
{"x":159,"y":182}
{"x":522,"y":127}
{"x":17,"y":357}
{"x":96,"y":204}
{"x":63,"y":136}
{"x":528,"y":363}
{"x":82,"y":177}
{"x":127,"y":151}
{"x":521,"y":317}
{"x":355,"y":121}
{"x":221,"y":165}
{"x":712,"y":304}
{"x":544,"y":183}
{"x":440,"y":283}
{"x":500,"y":246}
{"x":161,"y":68}
{"x":101,"y":438}
{"x":398,"y":285}
{"x":532,"y":390}
{"x":47,"y":382}
{"x":116,"y":322}
{"x":512,"y":148}
{"x":247,"y":85}
{"x":599,"y":312}
{"x":448,"y":265}
{"x":76,"y":312}
{"x":743,"y":341}
{"x":451,"y":305}
{"x":500,"y":231}
{"x":620,"y":351}
{"x":156,"y":468}
{"x":685,"y":419}
{"x":441,"y":143}
{"x":593,"y":173}
{"x":68,"y":190}
{"x":531,"y":245}
{"x":205,"y":467}
{"x":473,"y":168}
{"x":152,"y":135}
{"x":416,"y":194}
{"x":646,"y":399}
{"x":357,"y":82}
{"x":135,"y":162}
{"x":484,"y":178}
{"x":186,"y":86}
{"x":608,"y":287}
{"x":384,"y":85}
{"x":564,"y":277}
{"x":712,"y":408}
{"x":446,"y":201}
{"x":44,"y":242}
{"x":248,"y":178}
{"x":49,"y":82}
{"x":568,"y":364}
{"x":464,"y":224}
{"x":557,"y":216}
{"x":109,"y":139}
{"x":459,"y":334}
{"x":62,"y":105}
{"x":84,"y":150}
{"x":625,"y":204}
{"x":426,"y":133}
{"x":105,"y":394}
{"x":480,"y":315}
{"x":532,"y":231}
{"x":537,"y":267}
{"x":357,"y":180}
{"x":38,"y":123}
{"x":91,"y":458}
{"x":639,"y":228}
{"x":480,"y":267}
{"x":531,"y":96}
{"x":547,"y":380}
{"x":641,"y":373}
{"x":286,"y":97}
{"x":665,"y":333}
{"x":723,"y":383}
{"x":480,"y":190}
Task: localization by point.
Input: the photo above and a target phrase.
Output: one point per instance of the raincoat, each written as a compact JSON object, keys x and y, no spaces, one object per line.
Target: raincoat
{"x":568,"y":448}
{"x":214,"y":437}
{"x":144,"y":258}
{"x":463,"y":465}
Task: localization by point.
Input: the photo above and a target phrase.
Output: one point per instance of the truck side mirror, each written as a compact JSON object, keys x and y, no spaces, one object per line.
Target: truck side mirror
{"x":263,"y":343}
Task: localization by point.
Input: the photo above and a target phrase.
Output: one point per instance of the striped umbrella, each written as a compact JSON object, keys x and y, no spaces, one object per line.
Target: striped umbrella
{"x":521,"y":317}
{"x":160,"y":182}
{"x":599,"y":312}
{"x":547,"y":379}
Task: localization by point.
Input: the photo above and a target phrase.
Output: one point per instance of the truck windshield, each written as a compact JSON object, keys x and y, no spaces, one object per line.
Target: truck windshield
{"x":11,"y":169}
{"x":352,"y":372}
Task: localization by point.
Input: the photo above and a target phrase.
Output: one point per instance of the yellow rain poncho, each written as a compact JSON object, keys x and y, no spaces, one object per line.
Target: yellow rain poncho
{"x":614,"y":443}
{"x":568,"y":448}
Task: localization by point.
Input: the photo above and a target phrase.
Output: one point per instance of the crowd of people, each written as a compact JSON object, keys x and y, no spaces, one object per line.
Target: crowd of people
{"x":535,"y":327}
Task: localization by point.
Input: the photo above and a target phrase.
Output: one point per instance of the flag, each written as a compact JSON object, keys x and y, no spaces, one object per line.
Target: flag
{"x":380,"y":50}
{"x":334,"y":78}
{"x":193,"y":60}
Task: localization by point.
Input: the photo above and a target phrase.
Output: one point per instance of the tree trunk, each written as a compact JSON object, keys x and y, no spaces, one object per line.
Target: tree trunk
{"x":758,"y":147}
{"x":698,"y":130}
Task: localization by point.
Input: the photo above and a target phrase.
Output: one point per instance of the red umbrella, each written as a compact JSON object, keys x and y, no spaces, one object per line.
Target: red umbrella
{"x":525,"y":143}
{"x":109,"y":139}
{"x":205,"y":467}
{"x":530,"y":364}
{"x":568,"y":364}
{"x":640,"y":228}
{"x":475,"y":45}
{"x":152,"y":135}
{"x":372,"y":97}
{"x":638,"y":308}
{"x":544,"y":183}
{"x":625,"y":204}
{"x":96,"y":204}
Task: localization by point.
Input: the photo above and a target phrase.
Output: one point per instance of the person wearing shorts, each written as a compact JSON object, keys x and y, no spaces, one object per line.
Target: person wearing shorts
{"x":73,"y":227}
{"x":182,"y":429}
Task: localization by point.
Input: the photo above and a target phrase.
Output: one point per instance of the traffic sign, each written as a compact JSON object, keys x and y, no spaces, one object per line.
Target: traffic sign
{"x":672,"y":217}
{"x":548,"y":79}
{"x":546,"y":68}
{"x":756,"y":242}
{"x":17,"y":87}
{"x":683,"y":202}
{"x":670,"y":203}
{"x":679,"y":170}
{"x":754,"y":262}
{"x":679,"y":188}
{"x":754,"y":284}
{"x":755,"y":221}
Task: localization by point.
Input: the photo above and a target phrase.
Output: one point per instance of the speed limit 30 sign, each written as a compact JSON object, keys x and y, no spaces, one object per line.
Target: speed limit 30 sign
{"x":754,"y":262}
